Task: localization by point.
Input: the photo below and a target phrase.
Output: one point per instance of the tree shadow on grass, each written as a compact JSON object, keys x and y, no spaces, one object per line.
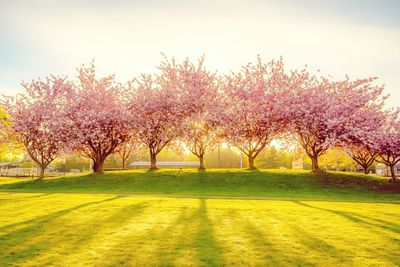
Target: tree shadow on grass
{"x":115,"y":220}
{"x":55,"y":215}
{"x":319,"y":246}
{"x":14,"y":236}
{"x":208,"y":250}
{"x":177,"y":238}
{"x":272,"y":256}
{"x":129,"y":247}
{"x":349,"y":182}
{"x":83,"y":234}
{"x":357,"y":218}
{"x":202,"y":242}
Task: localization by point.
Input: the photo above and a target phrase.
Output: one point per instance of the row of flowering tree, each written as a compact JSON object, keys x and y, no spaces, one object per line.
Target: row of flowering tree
{"x":184,"y":103}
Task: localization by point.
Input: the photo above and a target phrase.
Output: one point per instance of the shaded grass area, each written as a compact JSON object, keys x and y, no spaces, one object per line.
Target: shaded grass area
{"x":43,"y":229}
{"x":218,"y":182}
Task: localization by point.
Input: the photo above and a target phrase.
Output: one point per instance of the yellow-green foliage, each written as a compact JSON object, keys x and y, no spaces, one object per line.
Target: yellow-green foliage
{"x":336,"y":159}
{"x":42,"y":229}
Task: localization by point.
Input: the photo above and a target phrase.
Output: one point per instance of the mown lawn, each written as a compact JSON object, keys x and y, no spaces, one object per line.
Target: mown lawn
{"x":217,"y":182}
{"x":42,"y":229}
{"x":217,"y":218}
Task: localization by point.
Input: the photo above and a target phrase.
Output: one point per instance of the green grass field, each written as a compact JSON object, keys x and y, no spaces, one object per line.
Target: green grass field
{"x":217,"y":182}
{"x":185,"y":218}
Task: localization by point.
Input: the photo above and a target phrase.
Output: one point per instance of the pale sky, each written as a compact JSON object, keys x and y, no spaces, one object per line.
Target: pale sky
{"x":358,"y":38}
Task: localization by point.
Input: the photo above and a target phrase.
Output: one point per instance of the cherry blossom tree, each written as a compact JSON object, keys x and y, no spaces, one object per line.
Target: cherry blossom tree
{"x":362,"y":155}
{"x":253,"y":115}
{"x":125,"y":150}
{"x":100,"y":116}
{"x":38,"y":119}
{"x":186,"y":102}
{"x":360,"y":142}
{"x":159,"y":112}
{"x":325,"y":113}
{"x":387,"y":144}
{"x":202,"y":128}
{"x":201,"y":134}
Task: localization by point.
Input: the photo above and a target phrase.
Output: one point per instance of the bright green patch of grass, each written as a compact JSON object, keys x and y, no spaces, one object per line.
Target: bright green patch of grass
{"x":43,"y":229}
{"x":10,"y":180}
{"x":228,"y":182}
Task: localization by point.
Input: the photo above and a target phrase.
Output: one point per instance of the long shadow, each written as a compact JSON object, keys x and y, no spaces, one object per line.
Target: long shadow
{"x":117,"y":219}
{"x":167,"y":255}
{"x":178,"y":234}
{"x":135,"y":241}
{"x":323,"y":248}
{"x":206,"y":247}
{"x":35,"y":225}
{"x":357,"y":218}
{"x":386,"y":223}
{"x":208,"y":250}
{"x":203,"y":180}
{"x":272,"y":256}
{"x":88,"y":232}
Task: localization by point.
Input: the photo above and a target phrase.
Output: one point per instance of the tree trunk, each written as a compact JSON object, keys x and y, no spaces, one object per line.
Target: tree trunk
{"x":392,"y":173}
{"x":98,"y":165}
{"x":365,"y":168}
{"x":41,"y":173}
{"x":123,"y":164}
{"x":201,"y":159}
{"x":153,"y":162}
{"x":251,"y":162}
{"x":314,"y":163}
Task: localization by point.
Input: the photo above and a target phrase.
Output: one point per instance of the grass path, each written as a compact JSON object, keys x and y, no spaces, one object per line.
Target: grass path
{"x":44,"y":229}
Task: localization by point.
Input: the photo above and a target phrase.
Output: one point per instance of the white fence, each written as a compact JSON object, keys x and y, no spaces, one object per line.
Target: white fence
{"x":30,"y":172}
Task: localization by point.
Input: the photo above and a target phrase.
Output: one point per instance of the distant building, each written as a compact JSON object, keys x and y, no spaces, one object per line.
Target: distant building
{"x":383,"y":170}
{"x":9,"y":165}
{"x":166,"y":164}
{"x":5,"y":167}
{"x":298,"y":164}
{"x":8,"y":168}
